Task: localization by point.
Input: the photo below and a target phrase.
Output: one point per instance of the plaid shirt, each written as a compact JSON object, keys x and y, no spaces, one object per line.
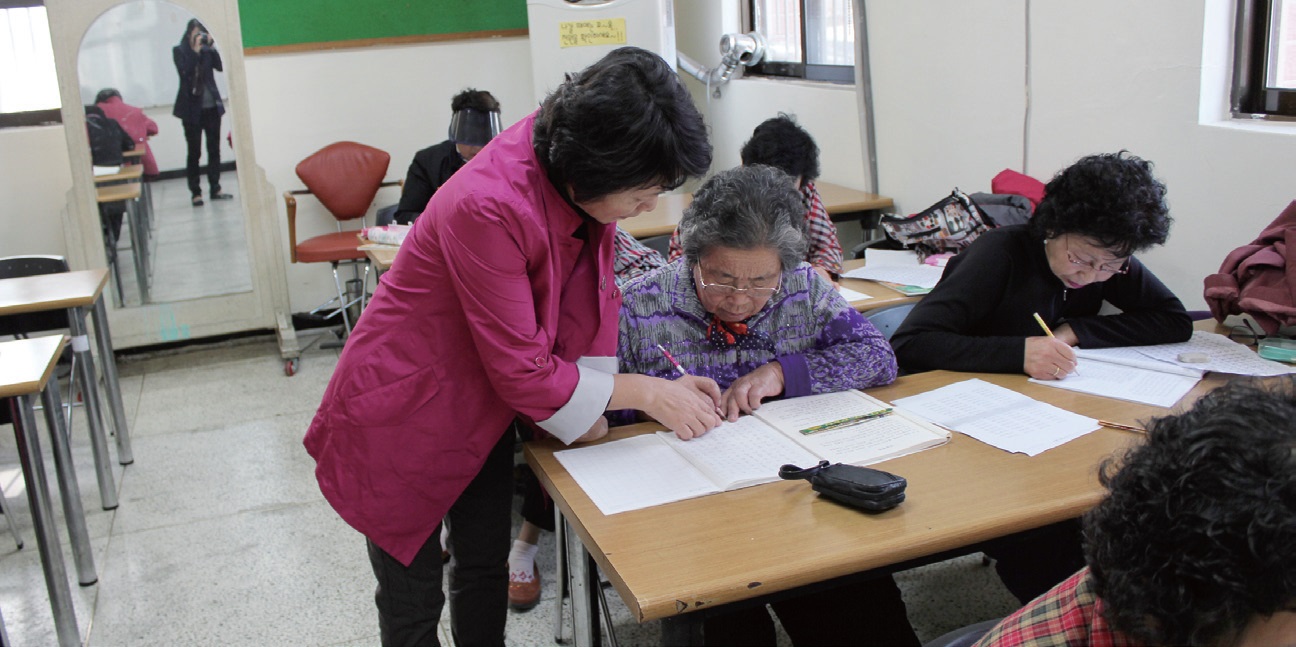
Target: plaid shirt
{"x":1069,"y":615}
{"x":824,"y":249}
{"x":632,"y":257}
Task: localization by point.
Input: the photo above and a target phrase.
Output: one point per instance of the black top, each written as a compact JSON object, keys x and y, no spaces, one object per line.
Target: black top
{"x":197,"y":73}
{"x":431,"y":167}
{"x":979,"y":315}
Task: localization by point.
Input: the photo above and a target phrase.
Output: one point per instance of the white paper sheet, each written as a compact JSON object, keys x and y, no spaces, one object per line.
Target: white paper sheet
{"x":633,"y":473}
{"x":851,"y":296}
{"x":1124,"y":382}
{"x":891,"y":257}
{"x":1226,"y":356}
{"x":924,"y":276}
{"x":997,"y":416}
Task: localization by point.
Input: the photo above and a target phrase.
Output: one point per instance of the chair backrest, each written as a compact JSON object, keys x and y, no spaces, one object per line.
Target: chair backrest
{"x":660,"y":244}
{"x":345,"y":176}
{"x":19,"y":266}
{"x":886,"y":320}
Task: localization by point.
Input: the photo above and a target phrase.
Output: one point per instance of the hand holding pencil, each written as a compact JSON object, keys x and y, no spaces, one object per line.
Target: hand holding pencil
{"x":1048,"y":358}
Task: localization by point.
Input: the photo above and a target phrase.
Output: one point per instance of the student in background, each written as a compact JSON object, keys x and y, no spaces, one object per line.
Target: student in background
{"x":199,"y":107}
{"x":1075,"y":253}
{"x":633,"y":258}
{"x":500,"y":306}
{"x":781,"y":143}
{"x":474,"y":121}
{"x":132,"y":120}
{"x":1195,"y":543}
{"x":107,"y":143}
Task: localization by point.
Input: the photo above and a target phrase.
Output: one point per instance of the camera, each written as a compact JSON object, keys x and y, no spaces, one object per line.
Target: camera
{"x":204,"y":39}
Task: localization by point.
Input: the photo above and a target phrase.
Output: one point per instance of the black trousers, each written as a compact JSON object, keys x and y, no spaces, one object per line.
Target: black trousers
{"x":209,"y":125}
{"x":869,"y":612}
{"x":1033,"y":561}
{"x":409,"y":598}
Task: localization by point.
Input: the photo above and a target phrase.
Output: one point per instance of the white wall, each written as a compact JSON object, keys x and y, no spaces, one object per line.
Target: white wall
{"x":949,"y":87}
{"x":949,"y":83}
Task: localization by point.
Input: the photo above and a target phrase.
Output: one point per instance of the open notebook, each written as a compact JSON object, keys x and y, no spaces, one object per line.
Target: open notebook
{"x":653,"y":469}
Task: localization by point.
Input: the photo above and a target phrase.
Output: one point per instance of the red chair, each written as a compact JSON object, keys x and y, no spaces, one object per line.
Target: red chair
{"x":345,"y":178}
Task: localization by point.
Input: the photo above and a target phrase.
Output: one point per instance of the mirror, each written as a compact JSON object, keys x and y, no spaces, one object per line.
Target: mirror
{"x":173,"y":230}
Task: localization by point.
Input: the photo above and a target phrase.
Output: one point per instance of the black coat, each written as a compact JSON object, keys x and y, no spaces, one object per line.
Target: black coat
{"x":431,"y":167}
{"x":197,"y":71}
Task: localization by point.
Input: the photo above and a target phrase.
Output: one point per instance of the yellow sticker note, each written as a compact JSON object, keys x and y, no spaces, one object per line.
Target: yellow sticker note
{"x":606,"y":31}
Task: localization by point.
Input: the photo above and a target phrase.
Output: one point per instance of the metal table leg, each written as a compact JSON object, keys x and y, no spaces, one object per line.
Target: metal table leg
{"x":584,"y":593}
{"x":51,"y":553}
{"x":98,"y":435}
{"x":70,"y":493}
{"x":563,"y":576}
{"x":139,"y":248}
{"x":103,"y":338}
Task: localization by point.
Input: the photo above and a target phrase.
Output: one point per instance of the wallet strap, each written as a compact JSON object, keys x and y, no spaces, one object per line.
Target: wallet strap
{"x":792,"y":472}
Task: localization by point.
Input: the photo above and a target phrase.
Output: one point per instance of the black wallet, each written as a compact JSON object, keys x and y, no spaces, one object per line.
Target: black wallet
{"x":858,"y":487}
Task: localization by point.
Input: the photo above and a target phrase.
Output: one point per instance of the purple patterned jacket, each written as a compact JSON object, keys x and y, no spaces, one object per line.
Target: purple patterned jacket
{"x":823,"y":344}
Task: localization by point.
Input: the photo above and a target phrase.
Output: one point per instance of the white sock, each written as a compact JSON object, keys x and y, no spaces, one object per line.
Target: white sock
{"x":445,"y":536}
{"x":522,"y":561}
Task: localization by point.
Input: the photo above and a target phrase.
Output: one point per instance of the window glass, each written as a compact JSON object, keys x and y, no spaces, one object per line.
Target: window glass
{"x":830,"y":32}
{"x":809,"y":39}
{"x":27,"y":78}
{"x":780,"y":22}
{"x":1282,"y":51}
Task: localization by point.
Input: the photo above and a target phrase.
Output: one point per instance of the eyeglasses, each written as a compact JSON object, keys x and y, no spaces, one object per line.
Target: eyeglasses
{"x":1245,"y":334}
{"x":1122,"y":268}
{"x":722,"y":290}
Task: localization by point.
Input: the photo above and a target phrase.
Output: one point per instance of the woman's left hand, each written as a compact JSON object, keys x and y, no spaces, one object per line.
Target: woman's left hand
{"x":599,"y":430}
{"x":746,"y":393}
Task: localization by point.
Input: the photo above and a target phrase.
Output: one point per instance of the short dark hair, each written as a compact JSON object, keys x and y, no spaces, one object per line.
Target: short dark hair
{"x":476,"y":100}
{"x":1198,"y":533}
{"x":745,"y":208}
{"x":106,"y":94}
{"x":1111,"y":198}
{"x":625,"y":122}
{"x":781,"y":143}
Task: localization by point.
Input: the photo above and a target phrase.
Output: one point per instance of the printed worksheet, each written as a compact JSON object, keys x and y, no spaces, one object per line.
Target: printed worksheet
{"x":1223,"y":356}
{"x":851,"y":296}
{"x":998,"y":416}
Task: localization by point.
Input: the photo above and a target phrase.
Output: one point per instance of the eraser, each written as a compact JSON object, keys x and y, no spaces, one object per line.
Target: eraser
{"x":1194,"y":358}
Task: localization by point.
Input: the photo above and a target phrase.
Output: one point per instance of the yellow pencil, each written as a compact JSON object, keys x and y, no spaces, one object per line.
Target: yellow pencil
{"x":1117,"y":425}
{"x":1040,"y":320}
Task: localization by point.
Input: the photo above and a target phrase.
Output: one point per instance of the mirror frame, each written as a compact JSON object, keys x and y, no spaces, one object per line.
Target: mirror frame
{"x":267,"y":305}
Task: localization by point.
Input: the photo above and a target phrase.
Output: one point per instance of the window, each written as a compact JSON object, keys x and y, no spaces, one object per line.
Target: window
{"x":809,"y":39}
{"x":29,"y":93}
{"x":1264,"y":58}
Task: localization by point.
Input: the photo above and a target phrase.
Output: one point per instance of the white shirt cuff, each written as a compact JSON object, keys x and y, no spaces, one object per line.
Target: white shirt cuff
{"x":587,"y":403}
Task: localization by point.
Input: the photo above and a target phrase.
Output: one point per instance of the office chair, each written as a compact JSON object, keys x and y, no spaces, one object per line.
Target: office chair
{"x":345,"y":178}
{"x":21,"y":326}
{"x":888,"y":319}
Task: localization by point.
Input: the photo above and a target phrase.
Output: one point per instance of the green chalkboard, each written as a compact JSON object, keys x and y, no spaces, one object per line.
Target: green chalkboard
{"x":276,"y":24}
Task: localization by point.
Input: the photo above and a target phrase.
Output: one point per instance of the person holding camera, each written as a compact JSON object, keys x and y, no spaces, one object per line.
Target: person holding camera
{"x":198,"y":106}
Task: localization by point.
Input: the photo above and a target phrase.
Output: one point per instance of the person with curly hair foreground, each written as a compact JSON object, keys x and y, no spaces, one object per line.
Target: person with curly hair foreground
{"x":1195,"y":543}
{"x":1074,"y":254}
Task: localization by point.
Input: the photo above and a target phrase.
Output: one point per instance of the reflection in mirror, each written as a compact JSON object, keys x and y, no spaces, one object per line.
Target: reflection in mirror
{"x":172,"y":220}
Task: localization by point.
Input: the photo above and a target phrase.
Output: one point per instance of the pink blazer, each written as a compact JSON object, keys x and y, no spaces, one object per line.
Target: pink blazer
{"x":136,"y":124}
{"x":494,"y":307}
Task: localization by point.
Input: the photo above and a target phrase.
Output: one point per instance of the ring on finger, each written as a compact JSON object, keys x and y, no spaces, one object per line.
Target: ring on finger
{"x":1056,"y":370}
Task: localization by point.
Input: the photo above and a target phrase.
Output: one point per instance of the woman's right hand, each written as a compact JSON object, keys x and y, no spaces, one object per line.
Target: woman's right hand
{"x":688,"y":406}
{"x":1048,"y":358}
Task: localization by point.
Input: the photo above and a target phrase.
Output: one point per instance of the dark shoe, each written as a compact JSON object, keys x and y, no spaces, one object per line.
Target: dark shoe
{"x":197,"y":201}
{"x":222,"y":196}
{"x":522,"y":596}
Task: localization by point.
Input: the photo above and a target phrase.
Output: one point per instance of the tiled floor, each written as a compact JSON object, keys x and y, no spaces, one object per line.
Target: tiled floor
{"x":222,"y":537}
{"x":192,"y":251}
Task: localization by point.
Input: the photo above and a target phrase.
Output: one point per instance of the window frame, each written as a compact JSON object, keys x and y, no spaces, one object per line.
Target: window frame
{"x":844,"y":74}
{"x":49,"y":117}
{"x":1250,"y":96}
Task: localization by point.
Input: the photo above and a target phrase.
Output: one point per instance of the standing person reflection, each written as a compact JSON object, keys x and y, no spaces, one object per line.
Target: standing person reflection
{"x":199,"y":107}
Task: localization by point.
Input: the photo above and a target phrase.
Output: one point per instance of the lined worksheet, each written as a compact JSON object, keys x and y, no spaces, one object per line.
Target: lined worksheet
{"x":1124,"y":382}
{"x":998,"y":416}
{"x":634,"y":473}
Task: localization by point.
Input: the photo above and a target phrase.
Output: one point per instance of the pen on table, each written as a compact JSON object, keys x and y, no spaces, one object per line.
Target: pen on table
{"x":847,"y":422}
{"x":671,"y":358}
{"x":1040,"y":320}
{"x":1117,"y":425}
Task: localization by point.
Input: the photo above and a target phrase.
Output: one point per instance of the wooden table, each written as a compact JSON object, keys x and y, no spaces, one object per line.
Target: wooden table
{"x":883,"y":296}
{"x":842,"y":203}
{"x":75,"y":292}
{"x":129,"y":172}
{"x":26,"y":368}
{"x":381,"y":256}
{"x":673,"y":561}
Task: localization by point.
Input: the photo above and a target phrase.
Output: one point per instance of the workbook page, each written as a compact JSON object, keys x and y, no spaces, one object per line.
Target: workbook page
{"x":804,"y":413}
{"x":860,"y":443}
{"x":634,"y":473}
{"x":1125,"y":383}
{"x":740,"y":454}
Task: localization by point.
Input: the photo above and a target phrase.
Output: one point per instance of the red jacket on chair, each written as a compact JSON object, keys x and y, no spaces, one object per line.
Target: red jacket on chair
{"x":1259,"y":279}
{"x":136,"y":124}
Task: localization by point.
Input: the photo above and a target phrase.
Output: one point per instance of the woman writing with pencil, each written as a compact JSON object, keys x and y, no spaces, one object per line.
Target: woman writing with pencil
{"x":501,"y":304}
{"x":1076,"y":253}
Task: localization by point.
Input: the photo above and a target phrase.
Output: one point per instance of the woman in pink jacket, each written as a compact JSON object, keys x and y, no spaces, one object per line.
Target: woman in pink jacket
{"x":502,"y":304}
{"x":133,"y":120}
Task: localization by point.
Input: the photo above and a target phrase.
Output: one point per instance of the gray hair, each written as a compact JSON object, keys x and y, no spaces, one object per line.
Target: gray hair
{"x":746,"y":208}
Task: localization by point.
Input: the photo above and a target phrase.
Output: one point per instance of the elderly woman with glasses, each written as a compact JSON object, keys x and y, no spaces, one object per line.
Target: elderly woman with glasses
{"x":741,"y":307}
{"x":1076,"y":252}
